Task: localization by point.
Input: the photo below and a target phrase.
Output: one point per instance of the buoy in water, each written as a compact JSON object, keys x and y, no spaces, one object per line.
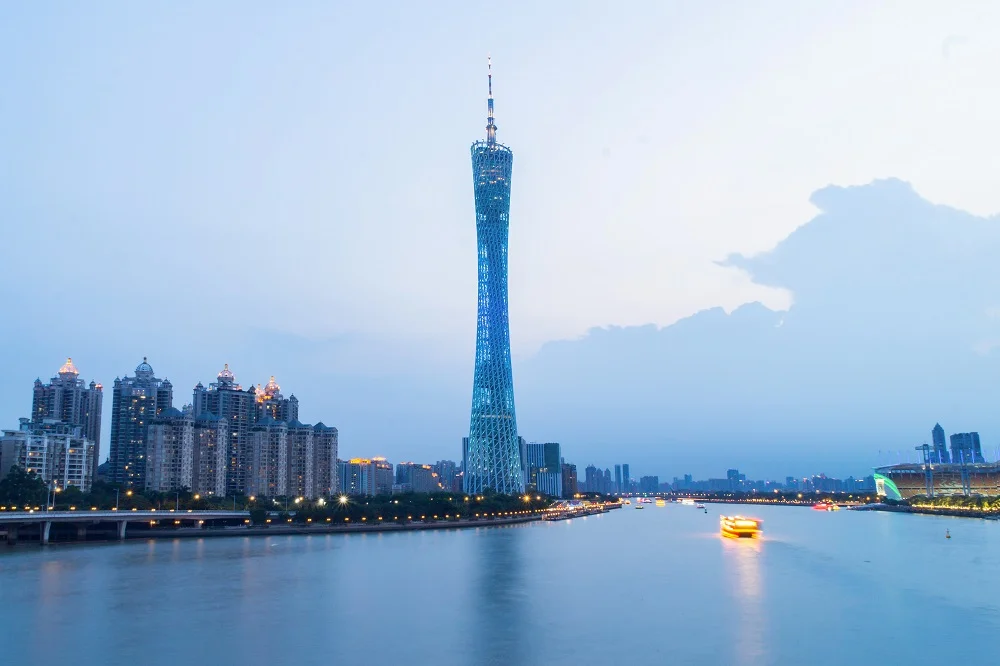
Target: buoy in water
{"x":947,"y":534}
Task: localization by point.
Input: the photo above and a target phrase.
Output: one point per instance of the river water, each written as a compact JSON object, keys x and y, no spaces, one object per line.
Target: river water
{"x":629,"y":587}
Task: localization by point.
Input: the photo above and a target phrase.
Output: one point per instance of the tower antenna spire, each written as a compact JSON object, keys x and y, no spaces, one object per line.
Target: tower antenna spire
{"x":491,"y":128}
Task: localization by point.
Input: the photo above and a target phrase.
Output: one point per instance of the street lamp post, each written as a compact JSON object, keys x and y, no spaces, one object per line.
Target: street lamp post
{"x":50,"y":495}
{"x":116,"y":499}
{"x":177,"y":500}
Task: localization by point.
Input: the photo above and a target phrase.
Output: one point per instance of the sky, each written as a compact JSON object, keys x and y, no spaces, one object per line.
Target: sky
{"x":288,"y":190}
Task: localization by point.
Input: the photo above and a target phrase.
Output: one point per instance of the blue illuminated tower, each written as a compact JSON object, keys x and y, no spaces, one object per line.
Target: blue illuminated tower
{"x":494,"y":459}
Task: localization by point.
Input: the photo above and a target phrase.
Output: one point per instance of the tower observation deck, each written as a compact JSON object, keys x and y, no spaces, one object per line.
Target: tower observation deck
{"x":493,"y":460}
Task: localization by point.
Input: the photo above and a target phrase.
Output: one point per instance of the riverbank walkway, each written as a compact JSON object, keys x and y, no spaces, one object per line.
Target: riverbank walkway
{"x":45,"y":527}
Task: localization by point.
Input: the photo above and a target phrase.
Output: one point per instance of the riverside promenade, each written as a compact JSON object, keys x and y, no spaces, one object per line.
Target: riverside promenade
{"x":957,"y":512}
{"x":63,"y":527}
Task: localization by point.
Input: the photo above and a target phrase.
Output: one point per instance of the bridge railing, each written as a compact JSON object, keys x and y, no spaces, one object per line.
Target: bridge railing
{"x":126,"y":514}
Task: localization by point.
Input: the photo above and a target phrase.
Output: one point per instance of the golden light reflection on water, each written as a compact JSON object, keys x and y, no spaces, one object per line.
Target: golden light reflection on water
{"x":741,"y":559}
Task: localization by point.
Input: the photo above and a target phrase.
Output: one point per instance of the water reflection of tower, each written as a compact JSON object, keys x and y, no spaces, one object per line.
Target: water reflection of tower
{"x":501,"y":630}
{"x":742,"y":560}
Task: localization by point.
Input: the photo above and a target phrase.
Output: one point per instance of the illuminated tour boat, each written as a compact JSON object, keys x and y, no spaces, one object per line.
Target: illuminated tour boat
{"x":738,"y":527}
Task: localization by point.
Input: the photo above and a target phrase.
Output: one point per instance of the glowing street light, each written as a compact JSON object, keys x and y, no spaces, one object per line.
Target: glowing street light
{"x":343,"y":499}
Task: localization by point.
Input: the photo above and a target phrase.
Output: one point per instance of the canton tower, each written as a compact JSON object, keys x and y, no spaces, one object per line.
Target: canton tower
{"x":493,"y":458}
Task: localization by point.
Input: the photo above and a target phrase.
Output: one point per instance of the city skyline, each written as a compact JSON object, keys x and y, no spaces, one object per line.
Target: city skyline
{"x":268,"y":231}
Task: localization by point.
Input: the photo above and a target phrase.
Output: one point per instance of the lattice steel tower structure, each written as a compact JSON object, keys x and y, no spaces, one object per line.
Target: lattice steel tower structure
{"x":494,"y":458}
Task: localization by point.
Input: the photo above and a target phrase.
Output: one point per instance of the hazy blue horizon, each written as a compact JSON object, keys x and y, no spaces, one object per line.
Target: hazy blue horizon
{"x":727,"y":244}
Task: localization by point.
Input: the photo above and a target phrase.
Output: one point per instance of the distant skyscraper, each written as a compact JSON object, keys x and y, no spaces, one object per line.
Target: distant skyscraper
{"x":569,"y":481}
{"x":417,"y":478}
{"x":626,"y":481}
{"x":939,"y":450}
{"x":366,"y":476}
{"x":67,"y":399}
{"x":544,"y":468}
{"x":592,"y":479}
{"x":494,"y":460}
{"x":522,"y":449}
{"x":965,"y":448}
{"x":227,"y":400}
{"x":618,"y":478}
{"x":465,"y":458}
{"x":134,"y":403}
{"x":447,"y":473}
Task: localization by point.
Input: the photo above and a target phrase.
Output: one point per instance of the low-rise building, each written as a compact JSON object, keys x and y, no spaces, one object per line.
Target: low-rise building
{"x":57,"y":452}
{"x":413,"y":477}
{"x":366,"y":476}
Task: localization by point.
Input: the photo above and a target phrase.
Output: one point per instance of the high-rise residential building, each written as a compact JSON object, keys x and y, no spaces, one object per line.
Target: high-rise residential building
{"x":66,"y":398}
{"x":965,"y":448}
{"x":57,"y":452}
{"x":169,"y":454}
{"x":210,"y":436}
{"x":544,"y":468}
{"x":301,"y":456}
{"x":593,"y":479}
{"x":618,"y":479}
{"x":134,"y":403}
{"x":494,"y":461}
{"x":939,"y":449}
{"x":606,"y":481}
{"x":238,"y":408}
{"x":626,"y":481}
{"x":570,"y":486}
{"x":271,"y":403}
{"x":325,"y":468}
{"x":268,"y":470}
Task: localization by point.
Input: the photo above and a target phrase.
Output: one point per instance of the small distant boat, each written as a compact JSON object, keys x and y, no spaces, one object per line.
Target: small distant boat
{"x":628,"y":501}
{"x":825,"y":506}
{"x":639,"y":506}
{"x":687,"y":502}
{"x":700,"y":506}
{"x":660,"y":501}
{"x":947,"y":534}
{"x":738,"y":527}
